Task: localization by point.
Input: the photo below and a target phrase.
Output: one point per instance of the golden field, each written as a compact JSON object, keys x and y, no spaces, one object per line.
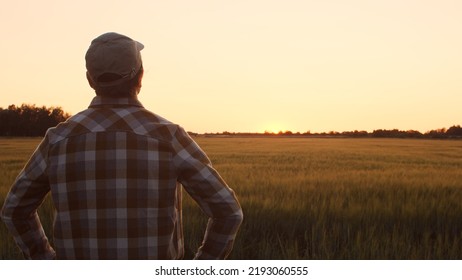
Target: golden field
{"x":317,"y":198}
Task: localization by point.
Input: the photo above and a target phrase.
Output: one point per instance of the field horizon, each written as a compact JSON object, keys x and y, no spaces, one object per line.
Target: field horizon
{"x":316,"y":198}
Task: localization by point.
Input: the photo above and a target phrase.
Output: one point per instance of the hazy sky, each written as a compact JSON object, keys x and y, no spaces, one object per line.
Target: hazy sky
{"x":250,"y":65}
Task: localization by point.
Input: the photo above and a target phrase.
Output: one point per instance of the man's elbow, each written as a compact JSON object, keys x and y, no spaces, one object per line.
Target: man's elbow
{"x":236,"y":219}
{"x":240,"y":216}
{"x":4,"y":214}
{"x":230,"y":222}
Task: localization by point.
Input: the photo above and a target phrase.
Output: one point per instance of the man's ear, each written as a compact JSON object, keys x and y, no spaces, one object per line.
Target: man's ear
{"x":90,"y":81}
{"x":139,"y":82}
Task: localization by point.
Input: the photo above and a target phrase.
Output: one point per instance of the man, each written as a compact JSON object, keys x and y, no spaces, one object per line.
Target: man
{"x":115,"y":173}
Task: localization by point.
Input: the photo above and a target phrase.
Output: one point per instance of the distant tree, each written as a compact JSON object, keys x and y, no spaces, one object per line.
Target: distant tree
{"x":192,"y":133}
{"x":454,"y":131}
{"x":436,"y":134}
{"x":355,"y":133}
{"x":29,"y":120}
{"x":394,"y":133}
{"x":414,"y":134}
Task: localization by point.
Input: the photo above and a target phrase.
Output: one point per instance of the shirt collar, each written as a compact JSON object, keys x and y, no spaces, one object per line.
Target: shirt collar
{"x":103,"y":101}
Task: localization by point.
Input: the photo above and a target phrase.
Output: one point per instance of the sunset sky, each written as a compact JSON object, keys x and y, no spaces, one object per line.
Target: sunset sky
{"x":250,"y":65}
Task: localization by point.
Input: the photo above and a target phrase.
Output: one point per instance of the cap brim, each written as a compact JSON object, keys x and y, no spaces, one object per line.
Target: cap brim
{"x":139,"y":46}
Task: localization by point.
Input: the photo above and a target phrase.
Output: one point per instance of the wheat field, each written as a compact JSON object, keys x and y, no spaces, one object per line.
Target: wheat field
{"x":317,"y":198}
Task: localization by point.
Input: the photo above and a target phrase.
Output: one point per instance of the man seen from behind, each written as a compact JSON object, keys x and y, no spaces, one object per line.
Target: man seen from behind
{"x":115,"y":172}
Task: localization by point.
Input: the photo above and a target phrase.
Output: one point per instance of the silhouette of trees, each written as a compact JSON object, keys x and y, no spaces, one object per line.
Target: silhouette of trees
{"x":395,"y":133}
{"x":454,"y":132}
{"x":286,"y":133}
{"x":355,"y":134}
{"x":29,"y":120}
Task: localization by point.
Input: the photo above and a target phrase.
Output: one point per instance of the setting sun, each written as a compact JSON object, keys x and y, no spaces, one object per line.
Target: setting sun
{"x":274,"y":127}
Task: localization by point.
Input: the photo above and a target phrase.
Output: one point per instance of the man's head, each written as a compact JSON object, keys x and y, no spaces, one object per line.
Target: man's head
{"x":114,"y":65}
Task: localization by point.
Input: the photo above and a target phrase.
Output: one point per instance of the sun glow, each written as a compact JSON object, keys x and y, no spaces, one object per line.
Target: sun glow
{"x":275,"y":128}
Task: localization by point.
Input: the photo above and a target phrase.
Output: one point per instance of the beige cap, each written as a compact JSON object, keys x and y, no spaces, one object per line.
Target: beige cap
{"x":113,"y":53}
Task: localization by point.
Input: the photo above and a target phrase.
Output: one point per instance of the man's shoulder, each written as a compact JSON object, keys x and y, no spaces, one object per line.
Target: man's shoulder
{"x":155,"y":125}
{"x":129,"y":119}
{"x":156,"y":118}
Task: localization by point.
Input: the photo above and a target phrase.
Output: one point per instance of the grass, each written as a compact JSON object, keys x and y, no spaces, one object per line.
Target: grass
{"x":311,"y":198}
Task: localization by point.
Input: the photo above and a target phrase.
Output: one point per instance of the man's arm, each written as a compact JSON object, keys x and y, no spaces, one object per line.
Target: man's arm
{"x":215,"y":198}
{"x":19,"y":211}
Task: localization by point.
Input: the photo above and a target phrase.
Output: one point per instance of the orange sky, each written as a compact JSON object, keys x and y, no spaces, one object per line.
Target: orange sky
{"x":251,"y":65}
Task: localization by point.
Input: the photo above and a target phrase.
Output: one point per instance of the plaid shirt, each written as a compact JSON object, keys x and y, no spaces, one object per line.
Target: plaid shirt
{"x":115,"y":173}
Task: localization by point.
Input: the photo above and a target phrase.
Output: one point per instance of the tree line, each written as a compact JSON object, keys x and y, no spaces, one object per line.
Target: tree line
{"x":29,"y":120}
{"x":454,"y":132}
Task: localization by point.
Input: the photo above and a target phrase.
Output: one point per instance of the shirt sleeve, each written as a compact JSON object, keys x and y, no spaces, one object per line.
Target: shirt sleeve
{"x":212,"y":194}
{"x":19,"y":211}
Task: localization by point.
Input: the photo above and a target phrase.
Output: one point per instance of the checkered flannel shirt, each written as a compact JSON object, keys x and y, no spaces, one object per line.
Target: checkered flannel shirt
{"x":115,"y":173}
